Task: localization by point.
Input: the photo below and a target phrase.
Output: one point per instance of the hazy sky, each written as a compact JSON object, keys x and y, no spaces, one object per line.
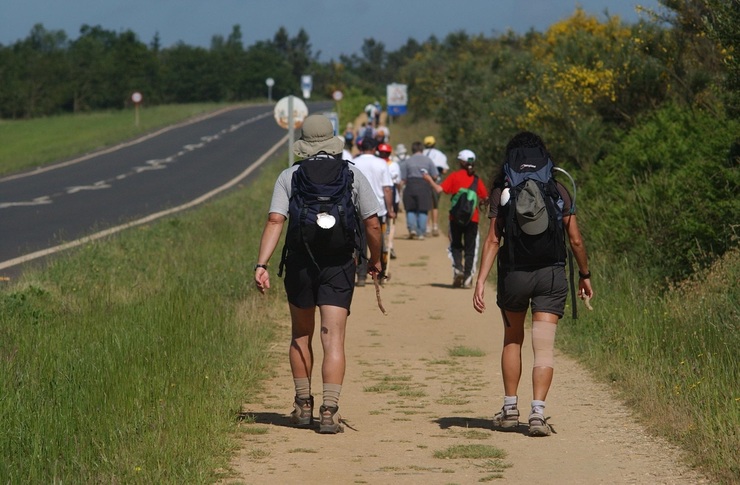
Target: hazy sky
{"x":334,"y":27}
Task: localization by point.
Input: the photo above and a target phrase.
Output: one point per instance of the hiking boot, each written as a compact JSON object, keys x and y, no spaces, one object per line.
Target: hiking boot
{"x":412,"y":234}
{"x":421,"y":237}
{"x":393,"y":253}
{"x":468,"y":283}
{"x":507,"y":418}
{"x":458,"y":278}
{"x":361,"y":282}
{"x":538,"y":425}
{"x":330,"y":420}
{"x":302,"y":414}
{"x":435,"y":232}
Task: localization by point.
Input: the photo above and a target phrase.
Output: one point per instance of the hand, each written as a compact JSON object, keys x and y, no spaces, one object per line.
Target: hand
{"x":262,"y":279}
{"x":374,"y":268}
{"x":478,"y":302}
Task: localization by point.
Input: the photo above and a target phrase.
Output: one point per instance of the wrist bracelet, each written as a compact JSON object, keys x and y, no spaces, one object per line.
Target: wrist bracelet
{"x":263,"y":266}
{"x":584,"y":276}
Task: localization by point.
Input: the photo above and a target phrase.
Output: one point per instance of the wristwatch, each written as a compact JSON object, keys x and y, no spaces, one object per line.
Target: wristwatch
{"x":584,"y":276}
{"x":264,"y":266}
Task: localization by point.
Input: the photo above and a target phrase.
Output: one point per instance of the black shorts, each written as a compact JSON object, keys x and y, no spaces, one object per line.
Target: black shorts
{"x":546,"y":289}
{"x":306,"y":286}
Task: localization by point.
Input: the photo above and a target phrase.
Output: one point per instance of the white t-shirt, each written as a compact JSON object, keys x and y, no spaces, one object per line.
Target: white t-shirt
{"x":439,"y":159}
{"x":395,"y":169}
{"x":377,"y":173}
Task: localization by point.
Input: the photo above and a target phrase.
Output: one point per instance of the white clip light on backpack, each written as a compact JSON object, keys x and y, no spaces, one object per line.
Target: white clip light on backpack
{"x":505,"y":196}
{"x":325,"y":221}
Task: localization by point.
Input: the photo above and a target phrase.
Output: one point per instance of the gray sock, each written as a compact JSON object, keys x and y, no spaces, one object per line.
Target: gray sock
{"x":302,"y":387}
{"x":510,"y":402}
{"x":331,"y":394}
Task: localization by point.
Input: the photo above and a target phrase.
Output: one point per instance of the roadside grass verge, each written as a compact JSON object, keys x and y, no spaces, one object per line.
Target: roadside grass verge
{"x":126,"y":361}
{"x":40,"y":141}
{"x":672,"y":356}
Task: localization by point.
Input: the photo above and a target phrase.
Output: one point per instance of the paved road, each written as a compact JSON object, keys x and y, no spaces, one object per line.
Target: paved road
{"x":135,"y":182}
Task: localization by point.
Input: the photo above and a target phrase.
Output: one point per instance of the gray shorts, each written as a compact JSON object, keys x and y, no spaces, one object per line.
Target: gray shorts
{"x":545,"y":288}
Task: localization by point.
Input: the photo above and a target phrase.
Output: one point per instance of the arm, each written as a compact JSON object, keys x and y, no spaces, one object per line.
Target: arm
{"x":388,"y":196}
{"x":488,"y":256}
{"x":435,"y":186}
{"x":373,"y":235}
{"x":579,"y":253}
{"x":268,"y":243}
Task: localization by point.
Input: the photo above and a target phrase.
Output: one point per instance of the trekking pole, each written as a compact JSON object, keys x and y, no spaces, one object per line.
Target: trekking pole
{"x":376,"y":283}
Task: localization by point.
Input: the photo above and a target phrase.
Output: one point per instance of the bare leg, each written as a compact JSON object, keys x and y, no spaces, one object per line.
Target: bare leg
{"x":301,"y":350}
{"x":511,"y":356}
{"x":333,"y":326}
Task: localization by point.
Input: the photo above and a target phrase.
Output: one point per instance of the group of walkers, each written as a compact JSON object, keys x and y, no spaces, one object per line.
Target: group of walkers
{"x":356,"y":240}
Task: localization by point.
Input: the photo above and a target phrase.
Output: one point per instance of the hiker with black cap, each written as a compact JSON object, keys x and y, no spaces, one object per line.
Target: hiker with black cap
{"x":321,"y":245}
{"x":533,"y":213}
{"x":468,"y":191}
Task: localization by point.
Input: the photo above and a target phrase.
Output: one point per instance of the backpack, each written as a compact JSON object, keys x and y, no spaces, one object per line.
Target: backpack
{"x":463,"y":204}
{"x":534,"y":235}
{"x":323,"y":222}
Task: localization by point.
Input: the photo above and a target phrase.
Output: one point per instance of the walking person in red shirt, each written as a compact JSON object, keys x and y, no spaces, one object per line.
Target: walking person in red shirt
{"x":464,"y":239}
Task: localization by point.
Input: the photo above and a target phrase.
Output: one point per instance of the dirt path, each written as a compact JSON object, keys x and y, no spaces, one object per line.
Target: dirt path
{"x":406,"y":397}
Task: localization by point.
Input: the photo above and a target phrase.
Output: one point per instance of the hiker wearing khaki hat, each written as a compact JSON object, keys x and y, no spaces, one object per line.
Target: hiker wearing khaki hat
{"x":533,"y":213}
{"x":321,"y":245}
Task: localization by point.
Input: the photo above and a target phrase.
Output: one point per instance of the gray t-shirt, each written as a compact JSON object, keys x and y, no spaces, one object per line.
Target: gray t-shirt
{"x":413,"y":166}
{"x":362,"y":193}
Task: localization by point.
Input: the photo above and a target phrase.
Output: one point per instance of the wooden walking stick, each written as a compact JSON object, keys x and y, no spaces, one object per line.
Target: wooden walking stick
{"x":376,"y":283}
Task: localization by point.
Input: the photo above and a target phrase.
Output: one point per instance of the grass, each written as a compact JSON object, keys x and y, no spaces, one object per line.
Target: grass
{"x":463,"y":351}
{"x":473,"y":452}
{"x":675,"y":351}
{"x":33,"y":143}
{"x":127,"y":360}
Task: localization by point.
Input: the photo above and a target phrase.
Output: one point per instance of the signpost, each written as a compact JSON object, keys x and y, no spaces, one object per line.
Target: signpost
{"x":270,"y":83}
{"x":306,"y":85}
{"x":398,"y":98}
{"x":337,"y":97}
{"x":290,"y":113}
{"x":136,"y":98}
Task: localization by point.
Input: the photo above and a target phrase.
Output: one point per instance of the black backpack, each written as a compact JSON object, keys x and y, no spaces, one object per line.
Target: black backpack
{"x":323,"y":222}
{"x":529,"y":179}
{"x":463,"y":204}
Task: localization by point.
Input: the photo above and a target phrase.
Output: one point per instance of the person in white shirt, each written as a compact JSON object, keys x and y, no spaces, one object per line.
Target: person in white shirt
{"x":384,"y":152}
{"x":376,"y":171}
{"x":440,"y":161}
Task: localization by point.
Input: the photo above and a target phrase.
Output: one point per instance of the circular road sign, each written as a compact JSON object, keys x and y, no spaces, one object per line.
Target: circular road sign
{"x":300,"y":111}
{"x":337,"y":95}
{"x":136,"y":97}
{"x":270,"y":82}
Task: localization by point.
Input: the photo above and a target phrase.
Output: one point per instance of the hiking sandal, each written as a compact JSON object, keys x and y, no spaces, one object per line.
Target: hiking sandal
{"x":506,"y":418}
{"x":330,"y":420}
{"x":538,"y":425}
{"x":302,"y":414}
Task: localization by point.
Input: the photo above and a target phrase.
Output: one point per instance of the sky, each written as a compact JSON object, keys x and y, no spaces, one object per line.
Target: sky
{"x":334,"y":27}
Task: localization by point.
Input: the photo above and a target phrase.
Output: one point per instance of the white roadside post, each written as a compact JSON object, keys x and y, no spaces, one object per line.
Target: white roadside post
{"x":290,"y":113}
{"x":270,"y":83}
{"x":136,"y":98}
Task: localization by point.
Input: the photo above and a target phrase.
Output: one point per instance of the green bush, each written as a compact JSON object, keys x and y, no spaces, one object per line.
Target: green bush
{"x":667,"y":196}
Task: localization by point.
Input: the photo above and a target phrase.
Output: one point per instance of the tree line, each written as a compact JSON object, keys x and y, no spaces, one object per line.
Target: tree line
{"x":48,"y":73}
